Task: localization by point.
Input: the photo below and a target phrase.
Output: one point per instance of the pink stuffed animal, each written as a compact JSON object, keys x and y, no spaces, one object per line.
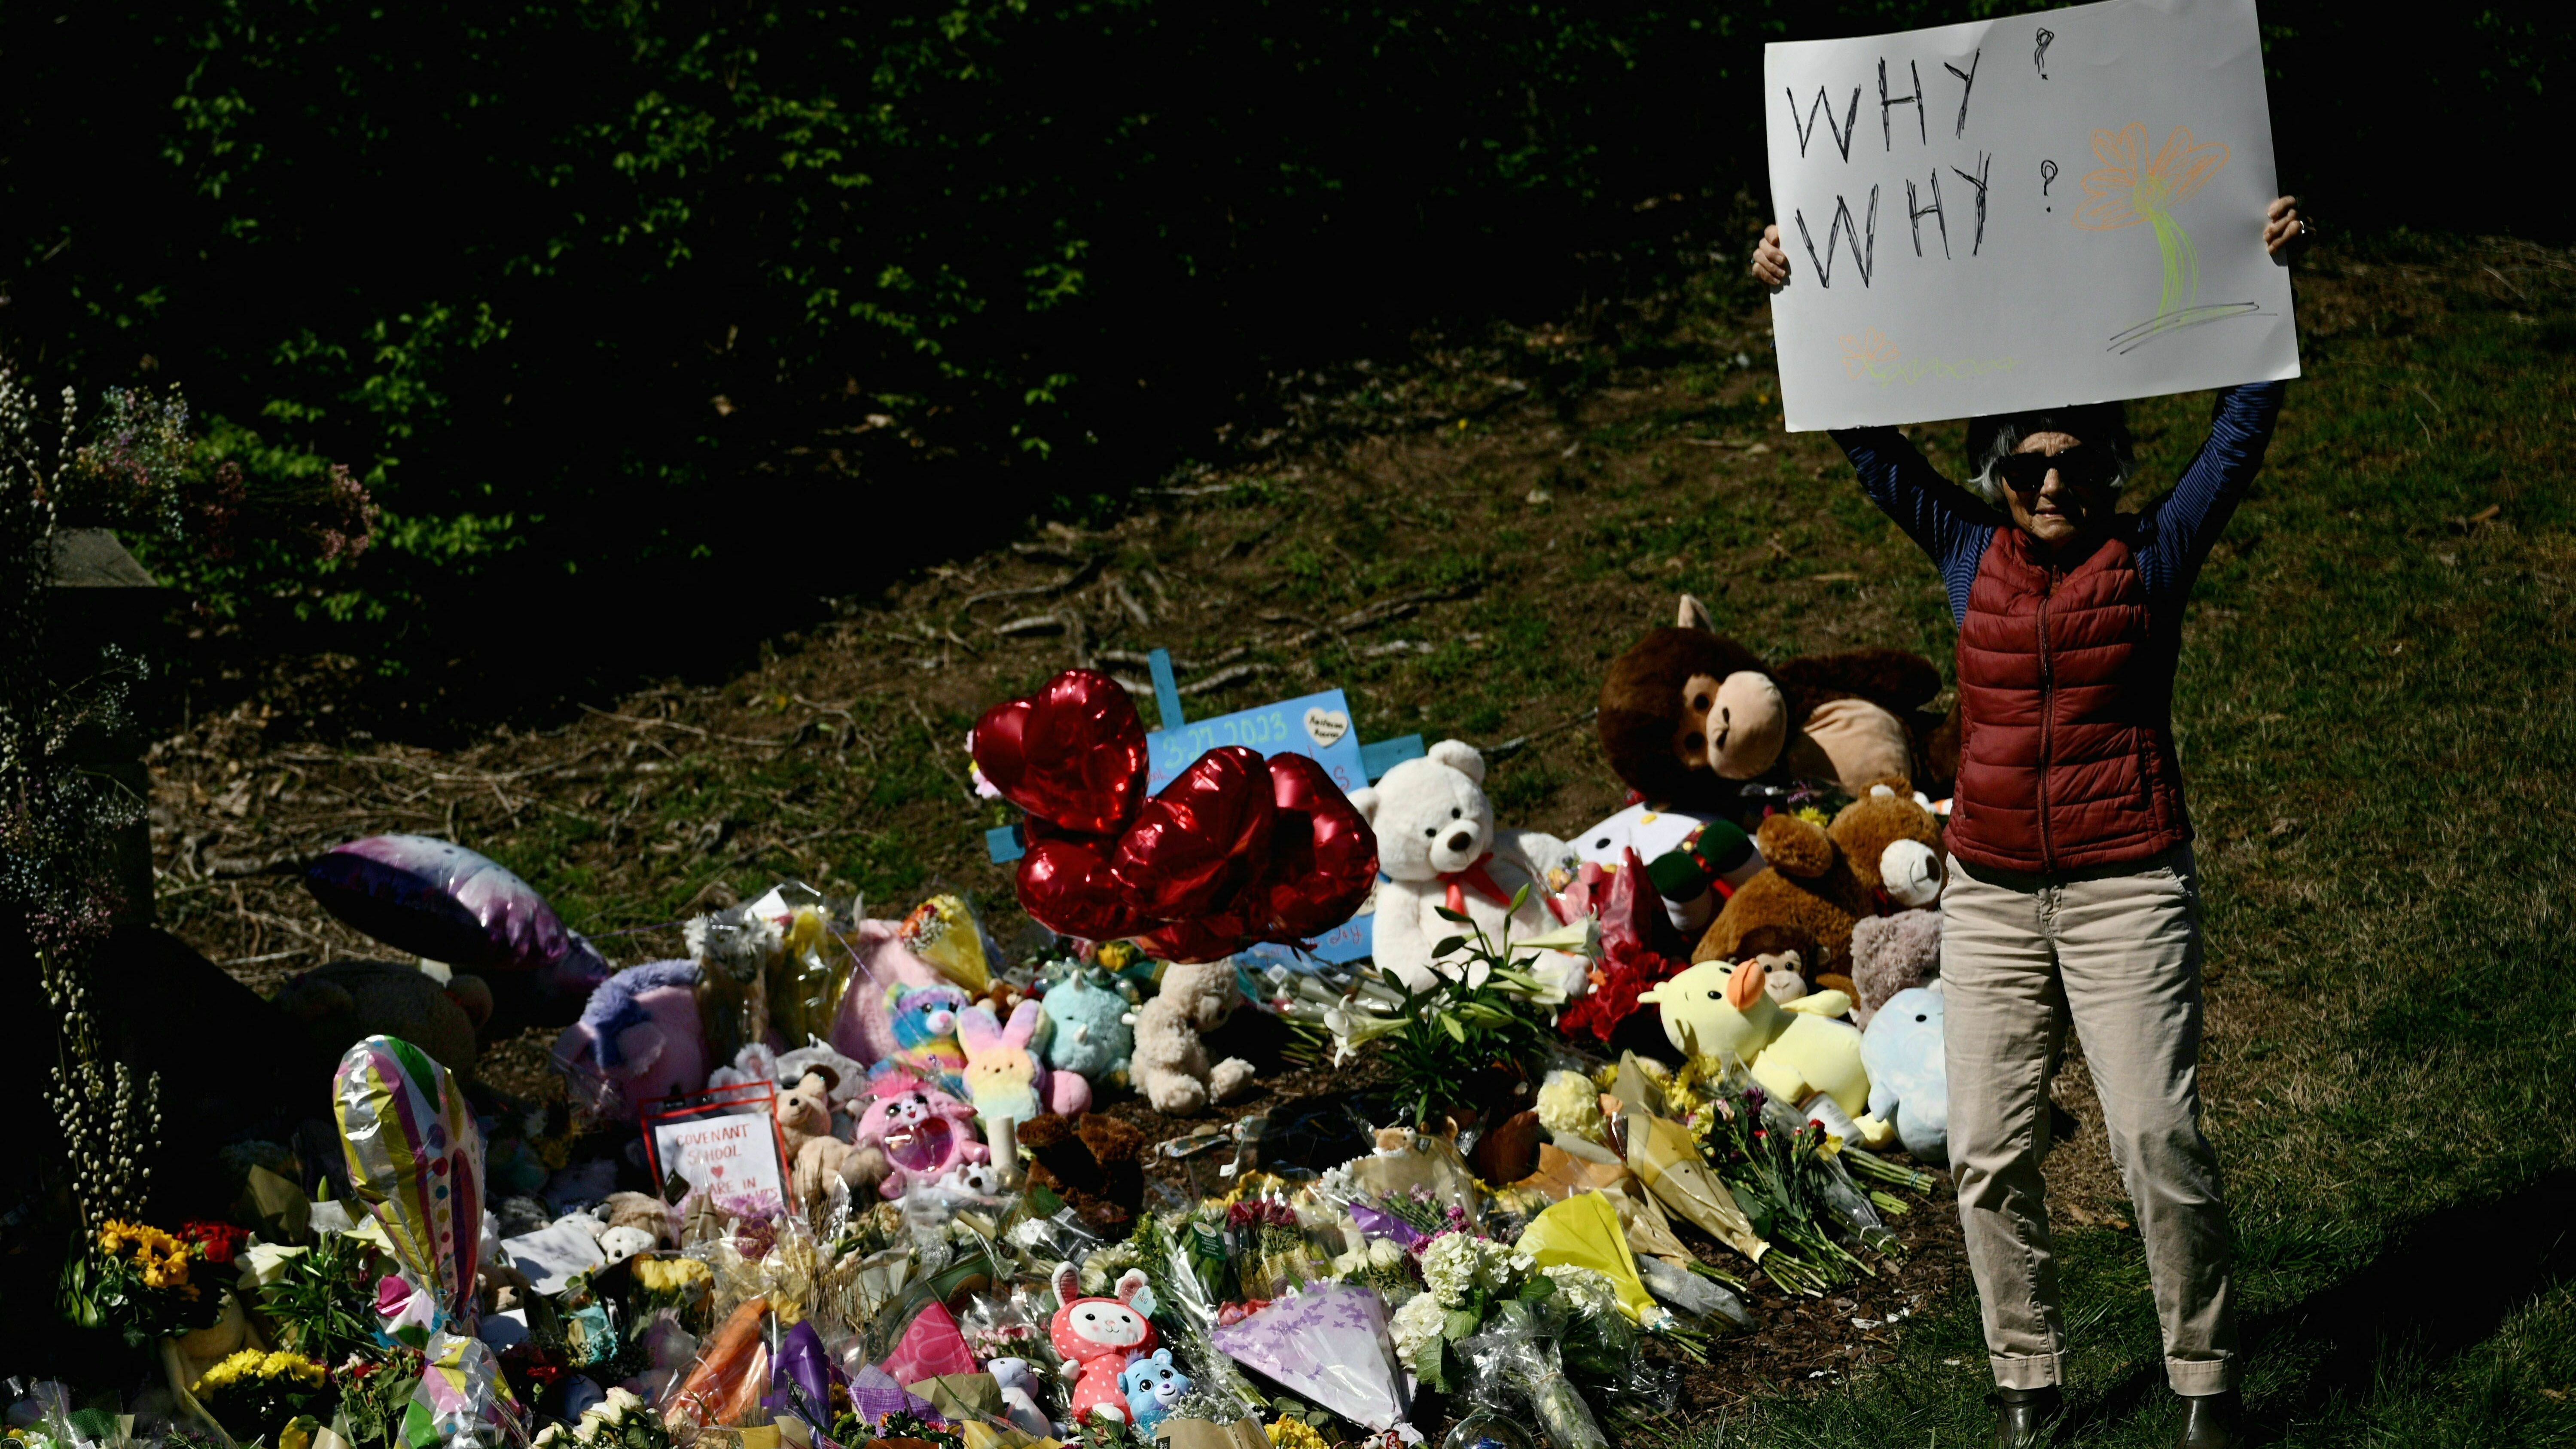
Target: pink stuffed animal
{"x":638,"y":1040}
{"x":920,"y":1129}
{"x":1005,"y":1077}
{"x":1096,"y":1336}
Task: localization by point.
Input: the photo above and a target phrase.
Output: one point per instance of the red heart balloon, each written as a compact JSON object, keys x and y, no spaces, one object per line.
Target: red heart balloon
{"x":1323,"y":856}
{"x":1067,"y":888}
{"x":1072,"y":753}
{"x":1195,"y":846}
{"x":1210,"y":938}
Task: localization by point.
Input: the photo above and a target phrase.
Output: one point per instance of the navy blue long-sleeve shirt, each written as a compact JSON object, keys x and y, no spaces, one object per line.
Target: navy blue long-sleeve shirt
{"x":2168,"y":540}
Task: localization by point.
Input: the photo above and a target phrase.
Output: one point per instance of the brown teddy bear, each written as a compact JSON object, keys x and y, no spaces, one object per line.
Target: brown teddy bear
{"x":1819,"y":880}
{"x":345,"y":1002}
{"x":1688,"y":713}
{"x":1093,"y":1162}
{"x":805,"y":1121}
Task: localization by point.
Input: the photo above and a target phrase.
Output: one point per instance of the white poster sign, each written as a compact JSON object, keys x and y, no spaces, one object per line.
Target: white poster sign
{"x":730,"y":1157}
{"x":2056,"y":208}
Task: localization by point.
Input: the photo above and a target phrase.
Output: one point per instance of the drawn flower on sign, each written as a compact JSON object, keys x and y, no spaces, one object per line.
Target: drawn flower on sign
{"x":1862,"y":354}
{"x":2132,"y":187}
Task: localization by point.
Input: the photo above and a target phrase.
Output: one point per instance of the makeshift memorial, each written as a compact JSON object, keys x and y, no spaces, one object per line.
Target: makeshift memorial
{"x":1019,"y":1385}
{"x":1471,"y":1036}
{"x":1005,"y":1077}
{"x":731,"y":1371}
{"x":1092,"y":1163}
{"x":1778,"y":1171}
{"x":818,"y":1157}
{"x":1584,"y":1232}
{"x":321,"y":1298}
{"x":138,"y":1280}
{"x":1444,"y":858}
{"x":1195,"y":869}
{"x":1909,"y":1082}
{"x":1716,"y":1013}
{"x":443,"y":902}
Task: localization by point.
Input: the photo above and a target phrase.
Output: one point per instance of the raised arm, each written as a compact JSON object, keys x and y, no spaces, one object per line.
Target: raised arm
{"x":2188,"y":521}
{"x":1943,"y":519}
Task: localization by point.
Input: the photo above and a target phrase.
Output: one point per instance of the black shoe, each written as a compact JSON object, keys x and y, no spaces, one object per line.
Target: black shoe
{"x":2211,"y":1421}
{"x":2027,"y":1418}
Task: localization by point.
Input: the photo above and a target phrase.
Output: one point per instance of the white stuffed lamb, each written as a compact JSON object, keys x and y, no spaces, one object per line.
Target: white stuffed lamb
{"x":1437,"y":844}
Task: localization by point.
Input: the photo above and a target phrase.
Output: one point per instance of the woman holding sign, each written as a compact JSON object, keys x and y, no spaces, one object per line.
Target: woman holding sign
{"x":2072,"y":891}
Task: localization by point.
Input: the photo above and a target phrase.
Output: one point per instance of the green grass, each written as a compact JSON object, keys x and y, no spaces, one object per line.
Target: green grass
{"x":2377,"y":709}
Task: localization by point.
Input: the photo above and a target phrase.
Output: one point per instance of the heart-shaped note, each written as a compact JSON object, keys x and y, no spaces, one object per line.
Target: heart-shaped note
{"x":1324,"y":726}
{"x":1195,"y":846}
{"x":1073,"y":753}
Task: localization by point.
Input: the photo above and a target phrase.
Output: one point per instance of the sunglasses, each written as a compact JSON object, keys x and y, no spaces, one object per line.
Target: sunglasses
{"x":2080,"y":467}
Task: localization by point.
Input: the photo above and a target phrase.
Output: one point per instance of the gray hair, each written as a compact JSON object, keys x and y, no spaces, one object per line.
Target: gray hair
{"x":1995,"y":437}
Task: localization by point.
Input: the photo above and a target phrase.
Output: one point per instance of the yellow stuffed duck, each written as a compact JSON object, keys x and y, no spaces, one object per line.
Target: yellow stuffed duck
{"x":1794,"y":1051}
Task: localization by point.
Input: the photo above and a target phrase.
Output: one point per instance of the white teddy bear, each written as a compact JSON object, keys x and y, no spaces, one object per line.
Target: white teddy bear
{"x":1437,"y":844}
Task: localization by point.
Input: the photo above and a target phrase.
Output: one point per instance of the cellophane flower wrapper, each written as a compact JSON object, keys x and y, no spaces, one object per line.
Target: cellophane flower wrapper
{"x":1272,"y":1253}
{"x":1327,"y":1343}
{"x":1187,"y":1312}
{"x":1514,"y":1351}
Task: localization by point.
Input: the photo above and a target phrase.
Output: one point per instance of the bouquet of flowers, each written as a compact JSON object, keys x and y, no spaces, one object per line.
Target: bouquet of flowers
{"x":323,"y":1298}
{"x":1465,"y":1279}
{"x":1517,"y":1354}
{"x":1272,"y":1253}
{"x":137,"y":1280}
{"x":1407,"y":1217}
{"x":1782,"y":1176}
{"x":375,"y":1393}
{"x":253,"y":1394}
{"x":621,"y":1421}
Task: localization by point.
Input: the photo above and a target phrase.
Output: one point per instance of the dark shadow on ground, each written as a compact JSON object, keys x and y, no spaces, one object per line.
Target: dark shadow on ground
{"x":2411,"y":1300}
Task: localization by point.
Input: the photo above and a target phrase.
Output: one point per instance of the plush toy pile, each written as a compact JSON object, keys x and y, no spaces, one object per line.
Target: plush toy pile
{"x":834,"y":1180}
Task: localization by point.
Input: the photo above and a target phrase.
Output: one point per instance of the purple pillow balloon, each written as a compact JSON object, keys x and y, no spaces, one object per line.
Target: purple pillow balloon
{"x":440,"y":900}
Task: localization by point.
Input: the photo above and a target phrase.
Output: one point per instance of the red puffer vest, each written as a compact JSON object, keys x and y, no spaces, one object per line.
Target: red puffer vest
{"x":2066,"y":756}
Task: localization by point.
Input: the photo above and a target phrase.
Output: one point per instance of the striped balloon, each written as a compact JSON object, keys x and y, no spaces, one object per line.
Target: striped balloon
{"x":416,"y":1159}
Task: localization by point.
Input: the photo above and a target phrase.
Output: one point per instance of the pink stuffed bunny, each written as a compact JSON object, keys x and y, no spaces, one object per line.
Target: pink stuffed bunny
{"x":1095,"y":1336}
{"x":1004,"y":1076}
{"x":920,"y":1129}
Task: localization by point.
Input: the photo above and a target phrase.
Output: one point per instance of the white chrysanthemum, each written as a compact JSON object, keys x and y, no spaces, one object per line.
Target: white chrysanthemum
{"x":1586,"y":1292}
{"x":1415,"y":1325}
{"x":1450,"y":1267}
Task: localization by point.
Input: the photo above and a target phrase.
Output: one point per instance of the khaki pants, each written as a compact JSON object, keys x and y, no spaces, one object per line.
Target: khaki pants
{"x":2118,"y":950}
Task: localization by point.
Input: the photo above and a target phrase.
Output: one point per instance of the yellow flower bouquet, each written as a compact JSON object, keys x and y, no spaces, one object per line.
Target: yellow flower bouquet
{"x":253,"y":1394}
{"x":138,"y":1280}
